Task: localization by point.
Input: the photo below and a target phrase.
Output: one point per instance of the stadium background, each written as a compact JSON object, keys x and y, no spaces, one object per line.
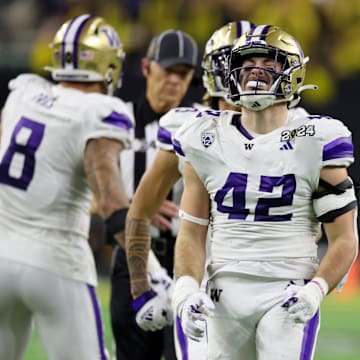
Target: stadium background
{"x":328,"y":30}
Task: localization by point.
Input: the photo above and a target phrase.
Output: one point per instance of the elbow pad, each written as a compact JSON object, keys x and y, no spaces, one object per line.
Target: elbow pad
{"x":334,"y":201}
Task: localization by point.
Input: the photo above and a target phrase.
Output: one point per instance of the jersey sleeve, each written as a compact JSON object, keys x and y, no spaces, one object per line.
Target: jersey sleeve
{"x":110,"y":118}
{"x":170,"y":123}
{"x":338,"y":148}
{"x":192,"y":135}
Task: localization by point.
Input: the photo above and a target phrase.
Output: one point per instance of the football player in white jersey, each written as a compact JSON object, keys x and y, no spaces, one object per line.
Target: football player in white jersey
{"x":59,"y":147}
{"x":165,"y":172}
{"x":263,"y":184}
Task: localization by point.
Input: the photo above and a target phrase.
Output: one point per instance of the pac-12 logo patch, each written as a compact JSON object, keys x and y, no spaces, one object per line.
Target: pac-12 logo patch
{"x":207,"y":138}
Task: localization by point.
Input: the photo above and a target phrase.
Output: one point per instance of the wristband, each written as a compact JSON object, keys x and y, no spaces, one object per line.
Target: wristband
{"x":184,"y":286}
{"x":140,"y":301}
{"x":115,"y":223}
{"x":322,"y":285}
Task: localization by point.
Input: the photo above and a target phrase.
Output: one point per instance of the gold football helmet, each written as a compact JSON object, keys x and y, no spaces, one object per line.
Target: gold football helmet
{"x":268,"y":41}
{"x":217,"y":55}
{"x":87,"y":49}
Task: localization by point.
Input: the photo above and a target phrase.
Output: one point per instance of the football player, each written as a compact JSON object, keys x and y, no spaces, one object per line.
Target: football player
{"x":262,"y":184}
{"x":60,"y":146}
{"x":159,"y":180}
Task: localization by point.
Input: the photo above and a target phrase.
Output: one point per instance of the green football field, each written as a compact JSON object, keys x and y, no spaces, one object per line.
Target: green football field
{"x":339,"y":337}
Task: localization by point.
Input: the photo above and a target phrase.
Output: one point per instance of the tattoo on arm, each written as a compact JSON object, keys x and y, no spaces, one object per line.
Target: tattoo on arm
{"x":101,"y":165}
{"x":137,"y":249}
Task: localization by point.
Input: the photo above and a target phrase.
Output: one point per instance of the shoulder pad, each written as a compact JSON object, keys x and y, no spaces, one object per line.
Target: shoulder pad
{"x":171,"y":122}
{"x":25,"y":80}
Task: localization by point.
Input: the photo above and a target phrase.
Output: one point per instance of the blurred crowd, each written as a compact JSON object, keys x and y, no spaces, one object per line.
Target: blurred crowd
{"x":327,"y":29}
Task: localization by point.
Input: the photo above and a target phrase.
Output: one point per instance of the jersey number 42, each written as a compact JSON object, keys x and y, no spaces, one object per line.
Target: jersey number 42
{"x":236,"y":183}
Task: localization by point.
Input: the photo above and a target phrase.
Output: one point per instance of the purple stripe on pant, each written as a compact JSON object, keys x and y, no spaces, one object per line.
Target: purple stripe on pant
{"x":99,"y":325}
{"x":182,"y":339}
{"x":310,"y":334}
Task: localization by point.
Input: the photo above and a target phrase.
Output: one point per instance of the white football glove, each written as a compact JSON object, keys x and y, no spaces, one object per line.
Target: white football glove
{"x":302,"y":302}
{"x":192,"y":306}
{"x":193,"y":314}
{"x":153,"y":311}
{"x":162,"y":283}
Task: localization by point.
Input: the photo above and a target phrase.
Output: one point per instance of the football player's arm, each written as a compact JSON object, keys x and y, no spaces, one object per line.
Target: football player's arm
{"x":339,"y":225}
{"x":191,"y":239}
{"x":190,"y":304}
{"x":341,"y":235}
{"x":160,"y":179}
{"x":101,"y":164}
{"x":149,"y":196}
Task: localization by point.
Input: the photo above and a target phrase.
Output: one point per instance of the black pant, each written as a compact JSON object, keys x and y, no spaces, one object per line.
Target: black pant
{"x":133,"y":343}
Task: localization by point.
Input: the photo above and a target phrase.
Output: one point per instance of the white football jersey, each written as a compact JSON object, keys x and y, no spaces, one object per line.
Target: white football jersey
{"x":169,"y":124}
{"x":175,"y":118}
{"x":44,"y":196}
{"x":261,"y":187}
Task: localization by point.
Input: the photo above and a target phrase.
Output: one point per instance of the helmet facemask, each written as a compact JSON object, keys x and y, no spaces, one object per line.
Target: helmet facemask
{"x":215,"y":67}
{"x":287,"y":79}
{"x":216,"y":57}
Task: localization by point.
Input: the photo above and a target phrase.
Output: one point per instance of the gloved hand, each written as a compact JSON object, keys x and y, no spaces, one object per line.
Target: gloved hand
{"x":302,"y":302}
{"x":153,"y":311}
{"x":162,"y":283}
{"x":193,"y":313}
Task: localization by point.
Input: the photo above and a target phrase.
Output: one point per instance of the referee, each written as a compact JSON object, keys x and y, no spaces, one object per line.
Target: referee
{"x":168,"y":68}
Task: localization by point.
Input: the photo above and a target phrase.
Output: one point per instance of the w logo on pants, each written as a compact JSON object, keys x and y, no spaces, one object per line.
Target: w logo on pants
{"x":215,"y":294}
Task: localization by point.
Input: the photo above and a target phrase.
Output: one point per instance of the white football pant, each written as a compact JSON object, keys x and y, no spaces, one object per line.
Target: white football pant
{"x":250,"y":324}
{"x":65,"y":312}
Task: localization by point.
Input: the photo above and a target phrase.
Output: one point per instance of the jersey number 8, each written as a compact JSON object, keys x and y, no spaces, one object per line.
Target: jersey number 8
{"x":25,"y":140}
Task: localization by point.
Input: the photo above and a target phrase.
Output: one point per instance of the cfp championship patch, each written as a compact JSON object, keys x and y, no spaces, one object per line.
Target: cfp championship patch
{"x":303,"y":130}
{"x":207,"y":139}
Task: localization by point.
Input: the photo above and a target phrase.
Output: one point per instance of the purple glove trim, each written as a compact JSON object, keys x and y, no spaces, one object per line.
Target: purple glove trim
{"x":293,"y":300}
{"x":141,"y":300}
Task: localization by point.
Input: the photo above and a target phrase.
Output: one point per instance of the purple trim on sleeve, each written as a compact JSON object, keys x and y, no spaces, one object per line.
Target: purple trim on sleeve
{"x":309,"y":339}
{"x":164,"y":136}
{"x":119,"y":120}
{"x":182,"y":340}
{"x":99,"y":325}
{"x":339,"y":148}
{"x":177,"y":147}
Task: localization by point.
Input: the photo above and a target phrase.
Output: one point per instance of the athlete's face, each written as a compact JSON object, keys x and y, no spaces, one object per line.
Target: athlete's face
{"x":259,"y":73}
{"x":168,"y":86}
